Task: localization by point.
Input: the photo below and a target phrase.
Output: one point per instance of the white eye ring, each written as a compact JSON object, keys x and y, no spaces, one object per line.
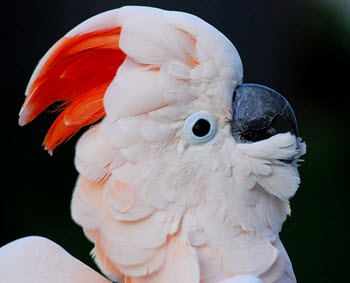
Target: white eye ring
{"x":200,"y":128}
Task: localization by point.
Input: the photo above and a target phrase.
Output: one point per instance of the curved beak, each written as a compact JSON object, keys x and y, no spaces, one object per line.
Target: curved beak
{"x":255,"y":108}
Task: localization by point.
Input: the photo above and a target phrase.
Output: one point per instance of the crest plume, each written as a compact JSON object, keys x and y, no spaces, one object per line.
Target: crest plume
{"x":77,"y":73}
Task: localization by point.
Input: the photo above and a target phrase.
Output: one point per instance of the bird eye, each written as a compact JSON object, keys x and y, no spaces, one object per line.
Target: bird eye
{"x":200,"y":128}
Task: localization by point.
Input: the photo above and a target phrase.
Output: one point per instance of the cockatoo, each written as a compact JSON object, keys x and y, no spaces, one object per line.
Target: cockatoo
{"x":183,"y":179}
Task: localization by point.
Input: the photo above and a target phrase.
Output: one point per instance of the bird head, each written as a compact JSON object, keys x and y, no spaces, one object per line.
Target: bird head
{"x":176,"y":122}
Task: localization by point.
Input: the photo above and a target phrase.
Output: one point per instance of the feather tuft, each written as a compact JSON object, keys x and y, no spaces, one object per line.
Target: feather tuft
{"x":76,"y":73}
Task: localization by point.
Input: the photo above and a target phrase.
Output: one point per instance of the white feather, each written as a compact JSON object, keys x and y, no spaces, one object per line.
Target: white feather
{"x":158,"y":208}
{"x":39,"y":260}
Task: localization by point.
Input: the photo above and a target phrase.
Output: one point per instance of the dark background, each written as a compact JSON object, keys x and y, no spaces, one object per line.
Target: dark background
{"x":299,"y":48}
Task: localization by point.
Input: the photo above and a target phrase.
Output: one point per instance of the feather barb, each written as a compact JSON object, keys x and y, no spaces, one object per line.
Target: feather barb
{"x":77,"y":74}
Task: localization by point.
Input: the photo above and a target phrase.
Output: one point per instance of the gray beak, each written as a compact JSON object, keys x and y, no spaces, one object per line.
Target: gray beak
{"x":255,"y":108}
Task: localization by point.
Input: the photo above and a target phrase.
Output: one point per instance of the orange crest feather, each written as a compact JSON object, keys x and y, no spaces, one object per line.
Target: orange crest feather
{"x":77,"y":73}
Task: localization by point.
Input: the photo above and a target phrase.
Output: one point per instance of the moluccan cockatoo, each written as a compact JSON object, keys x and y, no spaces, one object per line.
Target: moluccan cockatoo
{"x":183,"y":179}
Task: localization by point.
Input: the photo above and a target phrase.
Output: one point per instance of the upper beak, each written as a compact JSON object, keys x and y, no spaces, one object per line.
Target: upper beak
{"x":255,"y":108}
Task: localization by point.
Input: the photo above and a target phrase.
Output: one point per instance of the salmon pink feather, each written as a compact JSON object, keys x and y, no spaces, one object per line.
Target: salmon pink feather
{"x":77,"y":74}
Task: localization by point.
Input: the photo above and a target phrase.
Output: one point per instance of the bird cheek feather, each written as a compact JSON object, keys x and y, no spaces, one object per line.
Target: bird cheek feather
{"x":264,"y":159}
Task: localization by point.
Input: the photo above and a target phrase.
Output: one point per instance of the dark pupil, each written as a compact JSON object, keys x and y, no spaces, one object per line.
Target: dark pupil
{"x":201,"y":128}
